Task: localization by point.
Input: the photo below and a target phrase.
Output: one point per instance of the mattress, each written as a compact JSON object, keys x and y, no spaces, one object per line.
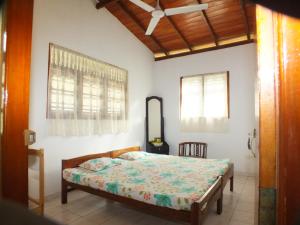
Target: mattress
{"x":168,"y":181}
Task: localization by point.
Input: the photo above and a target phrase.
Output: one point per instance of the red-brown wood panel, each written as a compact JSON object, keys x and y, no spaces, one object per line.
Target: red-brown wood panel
{"x":224,"y":19}
{"x":16,"y":106}
{"x":289,"y":128}
{"x":251,"y":13}
{"x":227,"y":19}
{"x":116,"y":10}
{"x":166,"y":34}
{"x":194,"y":28}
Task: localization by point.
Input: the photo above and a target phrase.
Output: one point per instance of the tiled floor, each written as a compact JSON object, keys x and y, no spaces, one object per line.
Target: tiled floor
{"x":86,"y":209}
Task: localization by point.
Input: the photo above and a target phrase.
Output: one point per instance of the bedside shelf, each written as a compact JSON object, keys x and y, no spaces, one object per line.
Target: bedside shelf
{"x":164,"y":149}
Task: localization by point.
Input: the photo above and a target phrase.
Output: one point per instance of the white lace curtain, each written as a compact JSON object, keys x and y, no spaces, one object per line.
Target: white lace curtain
{"x":204,"y":103}
{"x":85,"y":96}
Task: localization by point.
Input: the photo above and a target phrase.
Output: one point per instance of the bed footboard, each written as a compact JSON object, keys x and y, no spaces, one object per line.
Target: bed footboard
{"x":229,"y":176}
{"x":199,"y":209}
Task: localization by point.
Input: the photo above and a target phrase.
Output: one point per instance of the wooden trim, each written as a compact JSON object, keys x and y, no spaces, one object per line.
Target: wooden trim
{"x":16,"y":101}
{"x":246,"y":21}
{"x":229,"y":175}
{"x":141,"y":26}
{"x":36,"y":152}
{"x":42,"y":182}
{"x":282,"y":162}
{"x":286,"y":72}
{"x":180,"y":104}
{"x":228,"y":94}
{"x":117,"y":153}
{"x":33,"y":200}
{"x":198,"y":211}
{"x":211,"y":29}
{"x":176,"y":28}
{"x":200,"y":208}
{"x":102,"y":3}
{"x":48,"y":83}
{"x":209,"y":25}
{"x":41,"y":201}
{"x":205,"y":50}
{"x":267,"y":87}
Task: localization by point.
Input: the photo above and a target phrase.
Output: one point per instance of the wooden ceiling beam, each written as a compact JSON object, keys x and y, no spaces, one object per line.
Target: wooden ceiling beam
{"x":205,"y":50}
{"x":141,"y":26}
{"x":246,"y":21}
{"x":102,"y":3}
{"x":212,"y":31}
{"x":209,"y":25}
{"x":175,"y":27}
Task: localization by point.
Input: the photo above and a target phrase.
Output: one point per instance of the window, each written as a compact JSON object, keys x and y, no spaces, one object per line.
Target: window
{"x":204,"y":102}
{"x":85,"y":96}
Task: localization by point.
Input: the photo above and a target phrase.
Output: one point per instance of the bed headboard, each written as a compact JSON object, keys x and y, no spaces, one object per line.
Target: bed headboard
{"x":117,"y":153}
{"x":75,"y":162}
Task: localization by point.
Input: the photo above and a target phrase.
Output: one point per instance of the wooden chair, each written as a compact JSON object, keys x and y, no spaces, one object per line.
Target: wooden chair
{"x":193,"y":149}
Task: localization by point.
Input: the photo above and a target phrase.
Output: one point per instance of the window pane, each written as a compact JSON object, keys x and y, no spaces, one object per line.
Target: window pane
{"x":204,"y":96}
{"x":215,"y":96}
{"x":62,"y":92}
{"x":192,"y":97}
{"x":91,"y":94}
{"x":116,"y":98}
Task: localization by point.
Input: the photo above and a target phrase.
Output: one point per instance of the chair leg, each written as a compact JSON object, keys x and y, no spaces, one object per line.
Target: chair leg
{"x":231,"y":184}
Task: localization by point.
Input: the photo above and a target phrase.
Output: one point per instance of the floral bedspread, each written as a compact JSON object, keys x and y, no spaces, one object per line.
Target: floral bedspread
{"x":169,"y":181}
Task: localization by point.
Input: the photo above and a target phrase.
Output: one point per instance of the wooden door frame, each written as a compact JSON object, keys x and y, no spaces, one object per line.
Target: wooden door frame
{"x":19,"y":16}
{"x":289,"y":122}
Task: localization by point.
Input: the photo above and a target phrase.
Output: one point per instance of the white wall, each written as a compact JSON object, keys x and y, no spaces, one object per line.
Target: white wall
{"x":241,"y":62}
{"x":77,"y":25}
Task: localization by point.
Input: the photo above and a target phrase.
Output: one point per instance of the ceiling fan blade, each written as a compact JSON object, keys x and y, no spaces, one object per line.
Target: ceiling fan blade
{"x":185,"y":9}
{"x":153,"y":23}
{"x":143,"y":5}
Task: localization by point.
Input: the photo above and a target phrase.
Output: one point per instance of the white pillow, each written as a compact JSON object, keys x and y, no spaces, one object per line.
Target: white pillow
{"x":99,"y":163}
{"x":134,"y":155}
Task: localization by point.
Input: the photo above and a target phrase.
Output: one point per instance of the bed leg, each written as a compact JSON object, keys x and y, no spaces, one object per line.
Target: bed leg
{"x":220,"y":205}
{"x":195,"y":214}
{"x":64,"y":192}
{"x":231,"y":184}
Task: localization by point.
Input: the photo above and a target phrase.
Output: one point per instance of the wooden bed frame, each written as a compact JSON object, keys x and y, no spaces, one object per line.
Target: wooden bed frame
{"x":194,"y":217}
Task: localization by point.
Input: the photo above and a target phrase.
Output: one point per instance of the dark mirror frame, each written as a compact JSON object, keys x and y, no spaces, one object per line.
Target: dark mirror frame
{"x":162,"y":133}
{"x":164,"y":149}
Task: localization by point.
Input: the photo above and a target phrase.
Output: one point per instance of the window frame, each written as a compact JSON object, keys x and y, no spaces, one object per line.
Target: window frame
{"x":105,"y":115}
{"x":203,"y":75}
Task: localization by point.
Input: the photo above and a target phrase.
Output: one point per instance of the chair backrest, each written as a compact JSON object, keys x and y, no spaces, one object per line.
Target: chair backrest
{"x":194,"y":149}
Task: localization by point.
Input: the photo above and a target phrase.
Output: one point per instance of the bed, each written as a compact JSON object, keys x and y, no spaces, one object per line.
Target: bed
{"x":166,"y":186}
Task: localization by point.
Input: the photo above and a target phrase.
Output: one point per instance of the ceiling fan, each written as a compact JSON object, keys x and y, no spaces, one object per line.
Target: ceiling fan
{"x":158,"y":13}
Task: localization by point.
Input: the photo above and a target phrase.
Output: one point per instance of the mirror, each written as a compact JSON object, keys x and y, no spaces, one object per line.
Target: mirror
{"x":155,"y":139}
{"x":154,"y":119}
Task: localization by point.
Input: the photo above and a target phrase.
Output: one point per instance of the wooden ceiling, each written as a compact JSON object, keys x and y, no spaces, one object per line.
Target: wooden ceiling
{"x":225,"y":23}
